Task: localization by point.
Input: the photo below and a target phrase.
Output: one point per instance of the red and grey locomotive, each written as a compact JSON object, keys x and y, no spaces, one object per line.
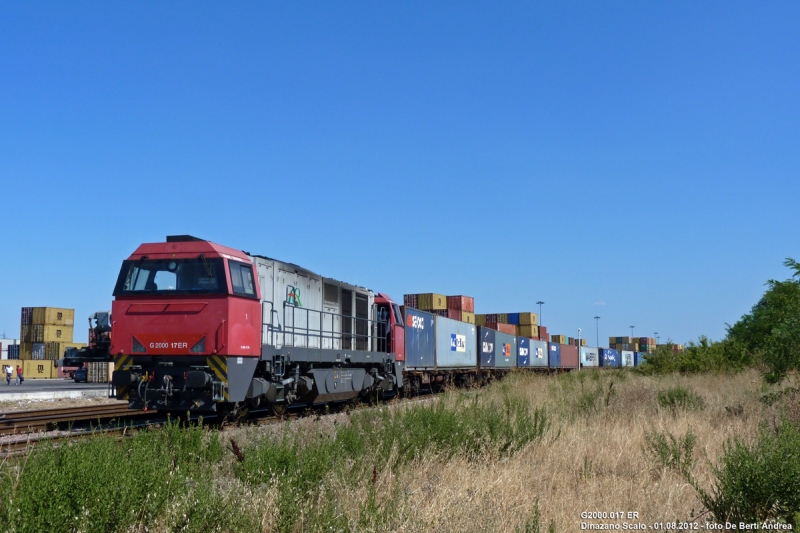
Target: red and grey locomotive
{"x":201,"y":327}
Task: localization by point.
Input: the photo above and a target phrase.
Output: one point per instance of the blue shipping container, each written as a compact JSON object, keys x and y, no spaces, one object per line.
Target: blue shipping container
{"x":420,"y":339}
{"x":513,"y":318}
{"x":638,"y":358}
{"x":505,"y":350}
{"x":13,"y":351}
{"x":486,"y":346}
{"x":523,"y":352}
{"x":539,"y":354}
{"x":554,"y":351}
{"x":456,"y":343}
{"x":609,"y":358}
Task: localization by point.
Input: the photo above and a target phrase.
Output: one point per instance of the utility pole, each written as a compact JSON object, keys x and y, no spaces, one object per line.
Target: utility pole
{"x":597,"y":323}
{"x":540,"y":311}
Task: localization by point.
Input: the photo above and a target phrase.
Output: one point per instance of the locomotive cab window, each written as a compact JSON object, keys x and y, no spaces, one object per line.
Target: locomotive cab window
{"x":242,"y":279}
{"x":171,"y":276}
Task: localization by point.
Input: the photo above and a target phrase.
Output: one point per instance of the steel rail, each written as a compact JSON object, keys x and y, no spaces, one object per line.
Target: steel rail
{"x":16,"y":422}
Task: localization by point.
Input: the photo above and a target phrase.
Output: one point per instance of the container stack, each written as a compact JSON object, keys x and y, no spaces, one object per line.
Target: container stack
{"x":677,"y":348}
{"x":543,"y":335}
{"x":624,"y":343}
{"x":646,"y":345}
{"x":464,"y":306}
{"x":97,"y":372}
{"x":520,"y":324}
{"x":459,"y":307}
{"x":45,"y":332}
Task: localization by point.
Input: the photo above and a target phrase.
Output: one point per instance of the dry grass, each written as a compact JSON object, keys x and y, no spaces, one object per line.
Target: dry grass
{"x":591,"y":460}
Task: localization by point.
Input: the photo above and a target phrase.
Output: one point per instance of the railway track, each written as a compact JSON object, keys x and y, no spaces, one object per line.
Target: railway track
{"x":33,"y":421}
{"x":21,"y":431}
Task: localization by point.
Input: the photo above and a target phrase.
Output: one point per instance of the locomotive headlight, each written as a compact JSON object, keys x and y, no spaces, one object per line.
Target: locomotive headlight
{"x":200,"y":347}
{"x":136,"y":346}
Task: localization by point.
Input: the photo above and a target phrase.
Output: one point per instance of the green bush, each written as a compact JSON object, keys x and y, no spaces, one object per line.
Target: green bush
{"x":759,"y":481}
{"x":698,"y":357}
{"x":680,"y":398}
{"x":669,"y":451}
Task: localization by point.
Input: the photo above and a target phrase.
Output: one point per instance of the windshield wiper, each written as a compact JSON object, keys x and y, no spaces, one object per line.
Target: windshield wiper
{"x":207,"y":266}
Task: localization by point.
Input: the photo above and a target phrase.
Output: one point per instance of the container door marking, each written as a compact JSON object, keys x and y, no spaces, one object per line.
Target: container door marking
{"x":458,"y":343}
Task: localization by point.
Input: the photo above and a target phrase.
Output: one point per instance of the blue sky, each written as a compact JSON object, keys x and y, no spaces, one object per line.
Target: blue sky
{"x":633,"y":160}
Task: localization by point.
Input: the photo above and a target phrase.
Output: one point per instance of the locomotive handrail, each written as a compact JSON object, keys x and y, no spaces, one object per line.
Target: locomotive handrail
{"x":362,"y":341}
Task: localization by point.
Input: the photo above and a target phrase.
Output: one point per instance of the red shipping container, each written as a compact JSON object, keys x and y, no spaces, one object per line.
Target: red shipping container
{"x":569,"y":356}
{"x":511,"y":329}
{"x":544,"y":336}
{"x":411,"y":300}
{"x":542,"y":330}
{"x":449,"y":313}
{"x":491,"y":319}
{"x":461,"y":303}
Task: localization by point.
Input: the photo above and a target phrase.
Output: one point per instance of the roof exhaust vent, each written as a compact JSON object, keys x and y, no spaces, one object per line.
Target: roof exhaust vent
{"x":182,"y":238}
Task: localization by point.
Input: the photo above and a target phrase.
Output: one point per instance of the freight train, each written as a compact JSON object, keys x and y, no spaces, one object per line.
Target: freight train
{"x":200,"y":327}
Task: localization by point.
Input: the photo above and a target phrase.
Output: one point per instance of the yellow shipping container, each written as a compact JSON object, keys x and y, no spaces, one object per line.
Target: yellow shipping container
{"x":49,"y":333}
{"x":467,"y":317}
{"x":37,"y":369}
{"x":25,"y":350}
{"x":583,"y":342}
{"x":25,"y":333}
{"x":558,"y":339}
{"x":53,"y":316}
{"x":502,"y":318}
{"x":528,"y":319}
{"x":528,"y":331}
{"x":480,"y":320}
{"x":432,"y":301}
{"x":55,"y":350}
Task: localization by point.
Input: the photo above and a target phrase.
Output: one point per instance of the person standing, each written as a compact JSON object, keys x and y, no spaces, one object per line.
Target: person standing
{"x":7,"y":372}
{"x":20,"y":379}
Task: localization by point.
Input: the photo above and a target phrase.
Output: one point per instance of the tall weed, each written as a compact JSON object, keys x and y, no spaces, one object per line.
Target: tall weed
{"x":104,"y":484}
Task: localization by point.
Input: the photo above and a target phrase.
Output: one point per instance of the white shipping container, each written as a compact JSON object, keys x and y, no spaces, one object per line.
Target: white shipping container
{"x":627,"y":358}
{"x":589,"y":356}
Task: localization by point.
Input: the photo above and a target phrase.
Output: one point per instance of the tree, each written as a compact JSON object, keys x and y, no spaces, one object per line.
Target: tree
{"x":772,"y":328}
